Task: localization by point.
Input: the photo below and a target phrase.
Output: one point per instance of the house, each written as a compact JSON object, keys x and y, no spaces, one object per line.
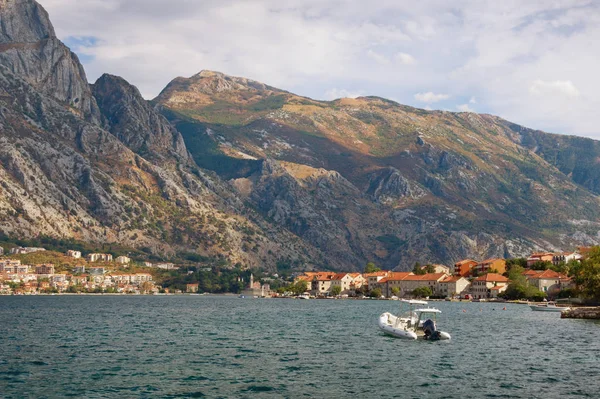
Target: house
{"x":485,"y":286}
{"x":44,"y":269}
{"x":79,"y":269}
{"x":566,"y":257}
{"x":453,"y":286}
{"x":74,"y":254}
{"x":192,"y":288}
{"x":122,"y":260}
{"x":374,"y":277}
{"x":321,"y":283}
{"x":1,"y":251}
{"x":166,"y":266}
{"x":437,"y":268}
{"x":493,"y":265}
{"x":463,"y":268}
{"x":25,"y":250}
{"x":539,"y":257}
{"x":413,"y":281}
{"x":341,"y":280}
{"x":391,"y":281}
{"x":79,"y":280}
{"x":100,"y":258}
{"x":97,"y":271}
{"x":548,"y":281}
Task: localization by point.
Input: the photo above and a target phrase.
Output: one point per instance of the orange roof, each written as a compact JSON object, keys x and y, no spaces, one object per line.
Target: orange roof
{"x":451,"y":279}
{"x":425,"y":277}
{"x":338,"y":276}
{"x":462,"y":262}
{"x":499,"y":287}
{"x":490,"y":260}
{"x":546,"y":274}
{"x":492,"y":277}
{"x":376,"y":274}
{"x":396,"y":276}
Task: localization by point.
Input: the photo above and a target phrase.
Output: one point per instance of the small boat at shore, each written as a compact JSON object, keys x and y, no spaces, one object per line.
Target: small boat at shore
{"x":548,"y":307}
{"x":306,"y":295}
{"x":414,"y":324}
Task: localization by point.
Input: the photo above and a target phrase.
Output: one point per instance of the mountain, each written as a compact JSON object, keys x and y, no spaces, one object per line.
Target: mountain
{"x":239,"y":172}
{"x":368,"y":178}
{"x":98,"y":164}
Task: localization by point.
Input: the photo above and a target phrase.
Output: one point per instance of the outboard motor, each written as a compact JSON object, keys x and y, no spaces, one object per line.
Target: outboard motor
{"x":429,"y":328}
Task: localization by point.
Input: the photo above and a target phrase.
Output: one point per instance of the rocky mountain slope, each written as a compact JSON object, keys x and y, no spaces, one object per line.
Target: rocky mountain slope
{"x":101,"y":165}
{"x":241,"y":172}
{"x":368,"y":178}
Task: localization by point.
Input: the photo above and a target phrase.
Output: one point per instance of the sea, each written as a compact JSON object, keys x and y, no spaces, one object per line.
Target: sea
{"x":228,"y":347}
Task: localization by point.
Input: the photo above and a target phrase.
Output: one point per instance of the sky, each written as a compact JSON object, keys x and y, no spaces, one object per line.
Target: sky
{"x":533,"y":62}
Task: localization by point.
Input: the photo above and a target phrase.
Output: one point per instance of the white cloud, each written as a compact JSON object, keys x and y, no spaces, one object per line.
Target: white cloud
{"x":430,"y":97}
{"x":560,"y":87}
{"x":405,"y":59}
{"x":534,"y":62}
{"x":333,"y":94}
{"x":473,"y":100}
{"x":464,"y":108}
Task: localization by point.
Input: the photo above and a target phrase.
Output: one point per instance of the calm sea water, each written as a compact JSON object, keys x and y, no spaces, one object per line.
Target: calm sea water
{"x":224,"y":347}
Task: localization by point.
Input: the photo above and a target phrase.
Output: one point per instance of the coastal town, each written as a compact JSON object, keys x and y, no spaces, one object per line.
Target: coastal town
{"x":466,"y":279}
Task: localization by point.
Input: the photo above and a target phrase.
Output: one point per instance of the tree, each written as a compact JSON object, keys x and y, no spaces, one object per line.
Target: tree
{"x":422,"y":292}
{"x":375,"y":293}
{"x":418,"y":270}
{"x":395,"y":291}
{"x":371,"y":268}
{"x":335,"y":290}
{"x":430,"y":268}
{"x":586,"y":274}
{"x":146,"y":286}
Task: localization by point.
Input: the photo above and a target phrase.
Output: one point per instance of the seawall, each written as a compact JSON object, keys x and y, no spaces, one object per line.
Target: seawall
{"x":582,"y":313}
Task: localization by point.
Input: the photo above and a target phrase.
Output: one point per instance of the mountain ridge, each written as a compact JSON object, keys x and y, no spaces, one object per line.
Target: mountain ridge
{"x":241,"y":172}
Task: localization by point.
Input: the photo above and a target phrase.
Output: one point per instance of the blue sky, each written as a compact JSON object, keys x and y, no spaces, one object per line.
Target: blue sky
{"x":531,"y":62}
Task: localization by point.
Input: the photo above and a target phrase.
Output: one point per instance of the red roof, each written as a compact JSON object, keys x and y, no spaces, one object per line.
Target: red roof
{"x":396,"y":276}
{"x":462,"y":262}
{"x":546,"y":274}
{"x":425,"y":277}
{"x":451,"y":279}
{"x":492,"y":277}
{"x":376,"y":274}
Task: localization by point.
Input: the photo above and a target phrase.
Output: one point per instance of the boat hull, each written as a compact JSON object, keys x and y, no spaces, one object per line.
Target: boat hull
{"x":537,"y":308}
{"x":396,"y":327}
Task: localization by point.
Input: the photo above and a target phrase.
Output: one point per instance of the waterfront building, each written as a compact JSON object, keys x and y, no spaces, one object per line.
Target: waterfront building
{"x":464,"y":267}
{"x":391,"y":281}
{"x":374,"y":278}
{"x":191,"y":288}
{"x":548,"y":281}
{"x":413,"y":281}
{"x":489,"y":285}
{"x":453,"y":286}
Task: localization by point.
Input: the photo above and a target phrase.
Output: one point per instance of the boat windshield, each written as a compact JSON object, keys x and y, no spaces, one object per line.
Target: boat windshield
{"x":428,"y":310}
{"x":414,"y":302}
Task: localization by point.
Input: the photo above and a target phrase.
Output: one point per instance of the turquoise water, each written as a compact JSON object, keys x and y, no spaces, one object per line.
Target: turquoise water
{"x":224,"y":347}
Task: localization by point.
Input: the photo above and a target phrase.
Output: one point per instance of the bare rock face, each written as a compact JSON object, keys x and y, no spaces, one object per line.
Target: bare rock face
{"x":133,"y":121}
{"x":30,"y":49}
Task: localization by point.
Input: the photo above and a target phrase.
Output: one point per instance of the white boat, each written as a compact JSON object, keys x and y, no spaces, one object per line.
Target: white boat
{"x":548,"y":307}
{"x":414,"y":324}
{"x":306,"y":295}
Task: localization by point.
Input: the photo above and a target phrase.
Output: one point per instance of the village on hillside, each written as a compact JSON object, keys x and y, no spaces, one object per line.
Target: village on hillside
{"x":95,"y":274}
{"x":467,"y":279}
